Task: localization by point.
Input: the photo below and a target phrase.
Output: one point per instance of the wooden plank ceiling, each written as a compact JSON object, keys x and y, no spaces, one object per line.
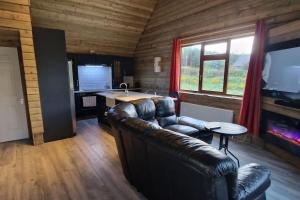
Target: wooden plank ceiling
{"x":110,"y":27}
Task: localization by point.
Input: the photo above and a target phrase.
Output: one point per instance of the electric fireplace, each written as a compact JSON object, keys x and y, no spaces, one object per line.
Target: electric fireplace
{"x":281,"y":131}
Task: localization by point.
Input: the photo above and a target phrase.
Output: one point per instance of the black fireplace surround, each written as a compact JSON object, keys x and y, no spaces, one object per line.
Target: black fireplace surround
{"x":167,"y":165}
{"x":281,"y":131}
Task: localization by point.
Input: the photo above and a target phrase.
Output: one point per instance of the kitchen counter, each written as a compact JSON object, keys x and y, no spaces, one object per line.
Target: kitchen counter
{"x":124,"y":97}
{"x":104,"y":90}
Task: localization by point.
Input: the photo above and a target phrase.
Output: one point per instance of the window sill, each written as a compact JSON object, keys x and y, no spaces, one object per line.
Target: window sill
{"x":213,"y":95}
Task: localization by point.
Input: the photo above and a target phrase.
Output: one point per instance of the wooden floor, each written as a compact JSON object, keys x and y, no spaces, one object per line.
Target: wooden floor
{"x":87,"y":167}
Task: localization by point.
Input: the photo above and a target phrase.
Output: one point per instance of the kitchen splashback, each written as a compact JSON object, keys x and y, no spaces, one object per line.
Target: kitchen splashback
{"x":92,"y":77}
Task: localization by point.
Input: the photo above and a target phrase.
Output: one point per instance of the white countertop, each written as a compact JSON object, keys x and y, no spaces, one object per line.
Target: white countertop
{"x":122,"y":96}
{"x":103,"y":90}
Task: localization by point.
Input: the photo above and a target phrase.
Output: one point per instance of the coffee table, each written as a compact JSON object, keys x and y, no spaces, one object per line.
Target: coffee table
{"x":225,"y":131}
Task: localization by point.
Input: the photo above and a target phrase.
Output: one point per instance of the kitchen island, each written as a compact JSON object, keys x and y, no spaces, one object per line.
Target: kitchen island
{"x":108,"y":99}
{"x":85,"y":101}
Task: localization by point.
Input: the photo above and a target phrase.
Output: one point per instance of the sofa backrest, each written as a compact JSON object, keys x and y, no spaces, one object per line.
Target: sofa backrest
{"x":165,"y":111}
{"x":145,"y":109}
{"x":121,"y":111}
{"x":159,"y":110}
{"x":168,"y":165}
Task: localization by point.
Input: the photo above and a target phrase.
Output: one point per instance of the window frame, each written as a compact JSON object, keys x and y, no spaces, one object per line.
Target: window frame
{"x":203,"y":58}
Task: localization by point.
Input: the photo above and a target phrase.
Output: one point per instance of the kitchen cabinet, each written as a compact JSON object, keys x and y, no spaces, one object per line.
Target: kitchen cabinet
{"x":84,"y":111}
{"x":126,"y":66}
{"x":101,"y":110}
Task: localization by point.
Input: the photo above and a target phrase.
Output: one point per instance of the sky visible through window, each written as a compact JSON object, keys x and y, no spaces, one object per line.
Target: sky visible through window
{"x":242,"y":45}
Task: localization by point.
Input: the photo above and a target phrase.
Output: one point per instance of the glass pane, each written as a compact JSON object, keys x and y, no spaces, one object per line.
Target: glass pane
{"x":240,"y":51}
{"x":214,"y":49}
{"x":213,"y":75}
{"x":190,"y":64}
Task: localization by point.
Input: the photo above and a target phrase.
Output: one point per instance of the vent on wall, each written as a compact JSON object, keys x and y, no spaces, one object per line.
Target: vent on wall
{"x":206,"y":113}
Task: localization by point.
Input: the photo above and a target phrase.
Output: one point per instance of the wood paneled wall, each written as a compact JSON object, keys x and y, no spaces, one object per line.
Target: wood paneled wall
{"x":15,"y":15}
{"x":108,"y":27}
{"x":284,"y":32}
{"x":9,"y":38}
{"x":184,"y":18}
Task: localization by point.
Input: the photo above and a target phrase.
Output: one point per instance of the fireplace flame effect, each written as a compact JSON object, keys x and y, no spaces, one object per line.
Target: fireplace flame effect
{"x":285,"y":132}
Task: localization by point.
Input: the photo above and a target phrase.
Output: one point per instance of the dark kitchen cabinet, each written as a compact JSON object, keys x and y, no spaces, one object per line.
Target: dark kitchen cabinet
{"x":125,"y":68}
{"x":102,"y":110}
{"x":126,"y":65}
{"x":52,"y":69}
{"x":81,"y":110}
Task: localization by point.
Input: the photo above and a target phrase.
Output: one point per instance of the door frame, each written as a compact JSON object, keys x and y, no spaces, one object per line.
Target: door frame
{"x":17,"y":45}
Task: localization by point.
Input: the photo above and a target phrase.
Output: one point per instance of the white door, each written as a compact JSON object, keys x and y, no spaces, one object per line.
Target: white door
{"x":13,"y":122}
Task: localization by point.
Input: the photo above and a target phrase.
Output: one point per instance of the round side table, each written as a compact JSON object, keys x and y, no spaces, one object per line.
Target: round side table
{"x":225,"y":130}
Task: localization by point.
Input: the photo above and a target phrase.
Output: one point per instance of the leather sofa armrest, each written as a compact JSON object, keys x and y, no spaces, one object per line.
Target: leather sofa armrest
{"x":188,"y":121}
{"x":253,"y":180}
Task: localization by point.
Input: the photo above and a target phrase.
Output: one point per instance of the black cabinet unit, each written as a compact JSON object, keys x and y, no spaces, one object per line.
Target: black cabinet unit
{"x":50,"y":51}
{"x":126,"y":65}
{"x":101,"y":110}
{"x":82,"y":111}
{"x":121,"y":66}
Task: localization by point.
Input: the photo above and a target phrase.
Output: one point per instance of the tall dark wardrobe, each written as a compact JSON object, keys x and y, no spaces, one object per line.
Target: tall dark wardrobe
{"x":52,"y":67}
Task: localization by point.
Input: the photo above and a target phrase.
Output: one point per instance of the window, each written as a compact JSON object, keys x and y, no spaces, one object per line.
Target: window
{"x":216,"y":67}
{"x":190,"y":65}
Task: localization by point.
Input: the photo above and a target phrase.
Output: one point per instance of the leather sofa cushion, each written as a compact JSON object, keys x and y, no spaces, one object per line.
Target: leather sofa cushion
{"x":140,"y":126}
{"x":165,"y":111}
{"x":145,"y":109}
{"x":188,"y":121}
{"x":153,"y":121}
{"x":165,"y":106}
{"x":123,"y":110}
{"x":186,"y":130}
{"x":253,"y":179}
{"x":167,"y":121}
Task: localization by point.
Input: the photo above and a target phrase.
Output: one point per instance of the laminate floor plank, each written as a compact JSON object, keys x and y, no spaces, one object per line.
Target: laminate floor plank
{"x":87,"y":166}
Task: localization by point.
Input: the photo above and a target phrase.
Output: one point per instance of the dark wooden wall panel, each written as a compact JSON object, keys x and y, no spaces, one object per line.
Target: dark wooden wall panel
{"x":54,"y":83}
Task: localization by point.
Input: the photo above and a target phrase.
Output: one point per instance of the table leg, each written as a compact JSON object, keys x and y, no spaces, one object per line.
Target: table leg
{"x":221,"y":142}
{"x":227,"y":150}
{"x":238,"y":162}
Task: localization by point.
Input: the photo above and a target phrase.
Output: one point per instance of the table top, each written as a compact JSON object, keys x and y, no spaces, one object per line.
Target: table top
{"x":229,"y":129}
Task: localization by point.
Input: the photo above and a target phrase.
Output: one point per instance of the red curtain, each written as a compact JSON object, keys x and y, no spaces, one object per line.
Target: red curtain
{"x":175,"y":73}
{"x":251,"y":106}
{"x":175,"y":67}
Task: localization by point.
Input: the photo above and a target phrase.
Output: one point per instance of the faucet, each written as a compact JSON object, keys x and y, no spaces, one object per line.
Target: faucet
{"x":126,"y":90}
